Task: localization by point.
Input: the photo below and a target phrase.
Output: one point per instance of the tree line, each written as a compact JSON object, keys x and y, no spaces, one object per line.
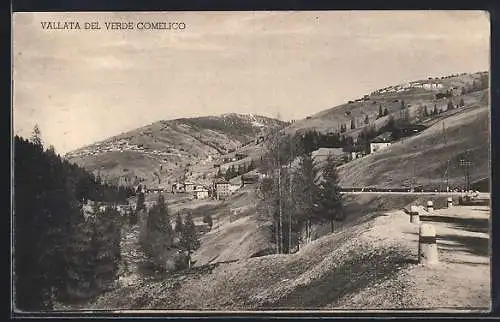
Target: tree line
{"x":232,"y":171}
{"x":295,"y":198}
{"x":312,"y":140}
{"x":60,"y":252}
{"x":168,"y":248}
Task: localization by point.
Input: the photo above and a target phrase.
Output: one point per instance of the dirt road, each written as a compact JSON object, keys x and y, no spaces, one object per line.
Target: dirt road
{"x":461,"y":280}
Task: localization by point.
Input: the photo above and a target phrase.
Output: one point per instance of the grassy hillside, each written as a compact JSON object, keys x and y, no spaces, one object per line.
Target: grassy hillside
{"x":166,"y":150}
{"x":363,"y":112}
{"x":375,"y":257}
{"x":426,"y":156}
{"x":331,"y":119}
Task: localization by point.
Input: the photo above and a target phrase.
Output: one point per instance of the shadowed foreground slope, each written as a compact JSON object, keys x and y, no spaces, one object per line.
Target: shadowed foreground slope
{"x":368,"y":265}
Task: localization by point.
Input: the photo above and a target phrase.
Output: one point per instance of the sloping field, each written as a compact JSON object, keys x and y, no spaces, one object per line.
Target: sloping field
{"x":331,"y":119}
{"x":368,"y":265}
{"x":166,"y":149}
{"x":237,"y":233}
{"x":426,"y":156}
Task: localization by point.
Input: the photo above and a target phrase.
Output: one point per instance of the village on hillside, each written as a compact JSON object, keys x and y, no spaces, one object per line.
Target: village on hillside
{"x":276,"y":163}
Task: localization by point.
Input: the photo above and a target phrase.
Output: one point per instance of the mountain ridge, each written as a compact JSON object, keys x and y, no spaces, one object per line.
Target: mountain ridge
{"x":164,"y":150}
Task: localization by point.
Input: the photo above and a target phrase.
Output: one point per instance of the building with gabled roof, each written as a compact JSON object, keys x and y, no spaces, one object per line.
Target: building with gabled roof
{"x":222,"y":188}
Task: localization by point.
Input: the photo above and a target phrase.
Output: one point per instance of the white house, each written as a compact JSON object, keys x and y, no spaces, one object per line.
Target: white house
{"x":234,"y":187}
{"x":201,"y":193}
{"x":432,"y":86}
{"x":378,"y":146}
{"x":222,"y":189}
{"x":356,"y":155}
{"x":188,"y":187}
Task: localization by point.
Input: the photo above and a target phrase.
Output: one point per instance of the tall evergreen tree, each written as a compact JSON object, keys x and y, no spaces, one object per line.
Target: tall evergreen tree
{"x":53,"y":257}
{"x":380,"y":113}
{"x":353,"y":124}
{"x":189,"y":238}
{"x":160,"y":237}
{"x":36,"y":136}
{"x":330,"y":199}
{"x":207,"y":219}
{"x":450,"y":105}
{"x":251,"y":166}
{"x":105,"y":245}
{"x":178,"y":225}
{"x":80,"y":257}
{"x":140,"y":201}
{"x":306,"y":194}
{"x":241,"y":169}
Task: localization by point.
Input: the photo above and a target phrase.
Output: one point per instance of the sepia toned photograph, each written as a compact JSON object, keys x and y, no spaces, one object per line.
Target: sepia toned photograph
{"x":265,"y":161}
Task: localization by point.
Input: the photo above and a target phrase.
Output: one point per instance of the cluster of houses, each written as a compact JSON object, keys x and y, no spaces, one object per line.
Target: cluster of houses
{"x":121,"y":145}
{"x":91,"y":206}
{"x":404,"y":87}
{"x":376,"y":145}
{"x":219,"y":189}
{"x":236,"y":157}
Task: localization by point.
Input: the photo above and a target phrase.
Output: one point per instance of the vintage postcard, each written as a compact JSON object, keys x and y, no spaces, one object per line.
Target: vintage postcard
{"x":251,"y":161}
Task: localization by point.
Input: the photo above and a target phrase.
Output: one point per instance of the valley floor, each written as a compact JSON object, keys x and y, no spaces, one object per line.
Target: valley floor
{"x":371,"y":266}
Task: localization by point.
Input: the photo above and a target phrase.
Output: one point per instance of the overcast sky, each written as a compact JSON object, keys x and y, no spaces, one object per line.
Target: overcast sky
{"x":81,"y":86}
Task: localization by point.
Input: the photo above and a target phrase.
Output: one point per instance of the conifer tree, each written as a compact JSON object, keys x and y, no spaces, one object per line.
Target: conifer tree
{"x":380,"y":113}
{"x":330,"y":199}
{"x":160,"y":237}
{"x":178,"y":225}
{"x":241,"y":169}
{"x":450,"y":105}
{"x":36,"y":136}
{"x":189,"y":238}
{"x":140,"y":201}
{"x":207,"y":219}
{"x":105,"y":246}
{"x":251,"y":166}
{"x":54,"y":257}
{"x":306,"y":194}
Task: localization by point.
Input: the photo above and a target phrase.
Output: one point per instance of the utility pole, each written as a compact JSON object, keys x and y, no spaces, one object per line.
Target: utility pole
{"x":280,"y":233}
{"x":413,"y":180}
{"x":447,"y":176}
{"x":466,"y":164}
{"x":444,"y":134}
